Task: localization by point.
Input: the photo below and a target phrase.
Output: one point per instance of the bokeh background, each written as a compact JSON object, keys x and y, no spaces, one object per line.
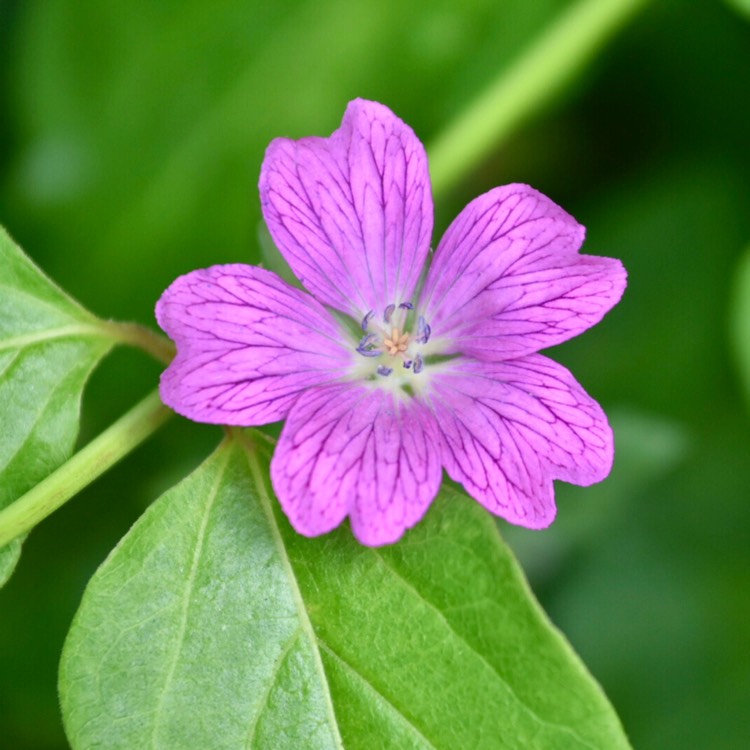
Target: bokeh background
{"x":131,"y":136}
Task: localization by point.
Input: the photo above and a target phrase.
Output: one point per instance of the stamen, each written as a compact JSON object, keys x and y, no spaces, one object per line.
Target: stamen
{"x":423,"y":331}
{"x":366,"y":319}
{"x":388,"y":312}
{"x":407,"y":364}
{"x":382,"y":370}
{"x":367,"y":347}
{"x":418,"y":364}
{"x":406,"y":306}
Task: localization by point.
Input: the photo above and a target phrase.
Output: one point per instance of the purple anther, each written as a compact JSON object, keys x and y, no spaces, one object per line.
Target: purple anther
{"x":418,"y":364}
{"x":407,"y":364}
{"x":406,"y":306}
{"x":423,"y":331}
{"x":388,"y":312}
{"x":367,"y":347}
{"x":366,"y":319}
{"x":382,"y":370}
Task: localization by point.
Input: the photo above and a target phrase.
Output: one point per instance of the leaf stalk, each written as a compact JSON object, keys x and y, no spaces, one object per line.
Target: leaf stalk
{"x":532,"y":80}
{"x":83,"y":468}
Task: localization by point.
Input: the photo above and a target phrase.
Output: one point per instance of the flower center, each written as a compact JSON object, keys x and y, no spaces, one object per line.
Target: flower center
{"x":389,"y":344}
{"x":396,"y":343}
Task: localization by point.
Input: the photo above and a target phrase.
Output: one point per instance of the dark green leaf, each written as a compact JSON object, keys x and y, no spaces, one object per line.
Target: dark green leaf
{"x":214,"y":625}
{"x":48,"y":347}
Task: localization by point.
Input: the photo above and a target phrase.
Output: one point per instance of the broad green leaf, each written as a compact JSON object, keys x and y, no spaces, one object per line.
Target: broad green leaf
{"x":438,"y":642}
{"x":740,"y":321}
{"x":192,"y":634}
{"x":48,"y":347}
{"x":213,"y":624}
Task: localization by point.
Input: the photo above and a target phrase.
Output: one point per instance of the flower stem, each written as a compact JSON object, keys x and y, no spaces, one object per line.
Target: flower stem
{"x":83,"y":468}
{"x":153,"y":343}
{"x":546,"y":66}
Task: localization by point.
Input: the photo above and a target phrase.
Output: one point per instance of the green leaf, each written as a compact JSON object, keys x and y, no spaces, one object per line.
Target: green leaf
{"x":48,"y":347}
{"x":213,"y":624}
{"x":193,"y":634}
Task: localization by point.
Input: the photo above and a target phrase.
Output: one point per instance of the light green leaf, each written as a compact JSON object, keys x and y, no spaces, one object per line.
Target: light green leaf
{"x":48,"y":347}
{"x":213,"y":624}
{"x":192,"y":634}
{"x":438,"y":642}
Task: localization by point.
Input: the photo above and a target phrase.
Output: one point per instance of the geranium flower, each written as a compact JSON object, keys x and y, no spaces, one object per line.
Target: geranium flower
{"x":393,"y":365}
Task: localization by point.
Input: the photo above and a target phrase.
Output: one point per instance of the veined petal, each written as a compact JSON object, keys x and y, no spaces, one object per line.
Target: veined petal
{"x":352,"y":214}
{"x":510,"y":428}
{"x":247,"y":344}
{"x":507,"y":279}
{"x":356,"y":451}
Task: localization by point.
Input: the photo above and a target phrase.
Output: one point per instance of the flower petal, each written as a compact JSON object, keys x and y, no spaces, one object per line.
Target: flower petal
{"x":510,"y":428}
{"x":507,"y":279}
{"x":352,"y":214}
{"x":357,"y":451}
{"x":247,"y":344}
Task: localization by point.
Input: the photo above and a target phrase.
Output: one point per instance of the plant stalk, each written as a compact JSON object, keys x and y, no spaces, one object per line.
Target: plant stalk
{"x":540,"y":73}
{"x":83,"y":468}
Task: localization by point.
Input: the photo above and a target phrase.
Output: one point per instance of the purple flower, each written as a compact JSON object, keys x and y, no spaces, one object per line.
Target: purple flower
{"x":386,"y":371}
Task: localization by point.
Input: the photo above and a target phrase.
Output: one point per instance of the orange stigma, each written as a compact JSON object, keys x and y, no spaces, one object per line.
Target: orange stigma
{"x":397,"y":343}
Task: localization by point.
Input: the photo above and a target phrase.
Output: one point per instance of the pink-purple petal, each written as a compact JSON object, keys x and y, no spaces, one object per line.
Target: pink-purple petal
{"x":248,"y":344}
{"x":510,"y":428}
{"x":352,"y":214}
{"x":507,"y":278}
{"x":353,"y":450}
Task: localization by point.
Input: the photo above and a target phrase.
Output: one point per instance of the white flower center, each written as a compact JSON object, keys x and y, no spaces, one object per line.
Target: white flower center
{"x":389,"y":354}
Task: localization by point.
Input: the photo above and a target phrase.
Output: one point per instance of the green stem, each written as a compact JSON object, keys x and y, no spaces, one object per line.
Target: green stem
{"x":133,"y":334}
{"x":83,"y":468}
{"x":547,"y":65}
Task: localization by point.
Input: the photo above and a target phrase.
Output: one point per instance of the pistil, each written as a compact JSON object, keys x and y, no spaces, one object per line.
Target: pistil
{"x":398,"y":342}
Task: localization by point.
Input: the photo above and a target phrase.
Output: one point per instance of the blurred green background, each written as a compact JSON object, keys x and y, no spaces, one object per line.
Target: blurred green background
{"x":131,"y":137}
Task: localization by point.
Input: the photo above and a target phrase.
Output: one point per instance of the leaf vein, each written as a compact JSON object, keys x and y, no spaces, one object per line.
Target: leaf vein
{"x":379,"y":696}
{"x":527,"y":709}
{"x":263,"y":705}
{"x":306,"y":626}
{"x":190,"y":583}
{"x":28,"y":339}
{"x":40,"y":412}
